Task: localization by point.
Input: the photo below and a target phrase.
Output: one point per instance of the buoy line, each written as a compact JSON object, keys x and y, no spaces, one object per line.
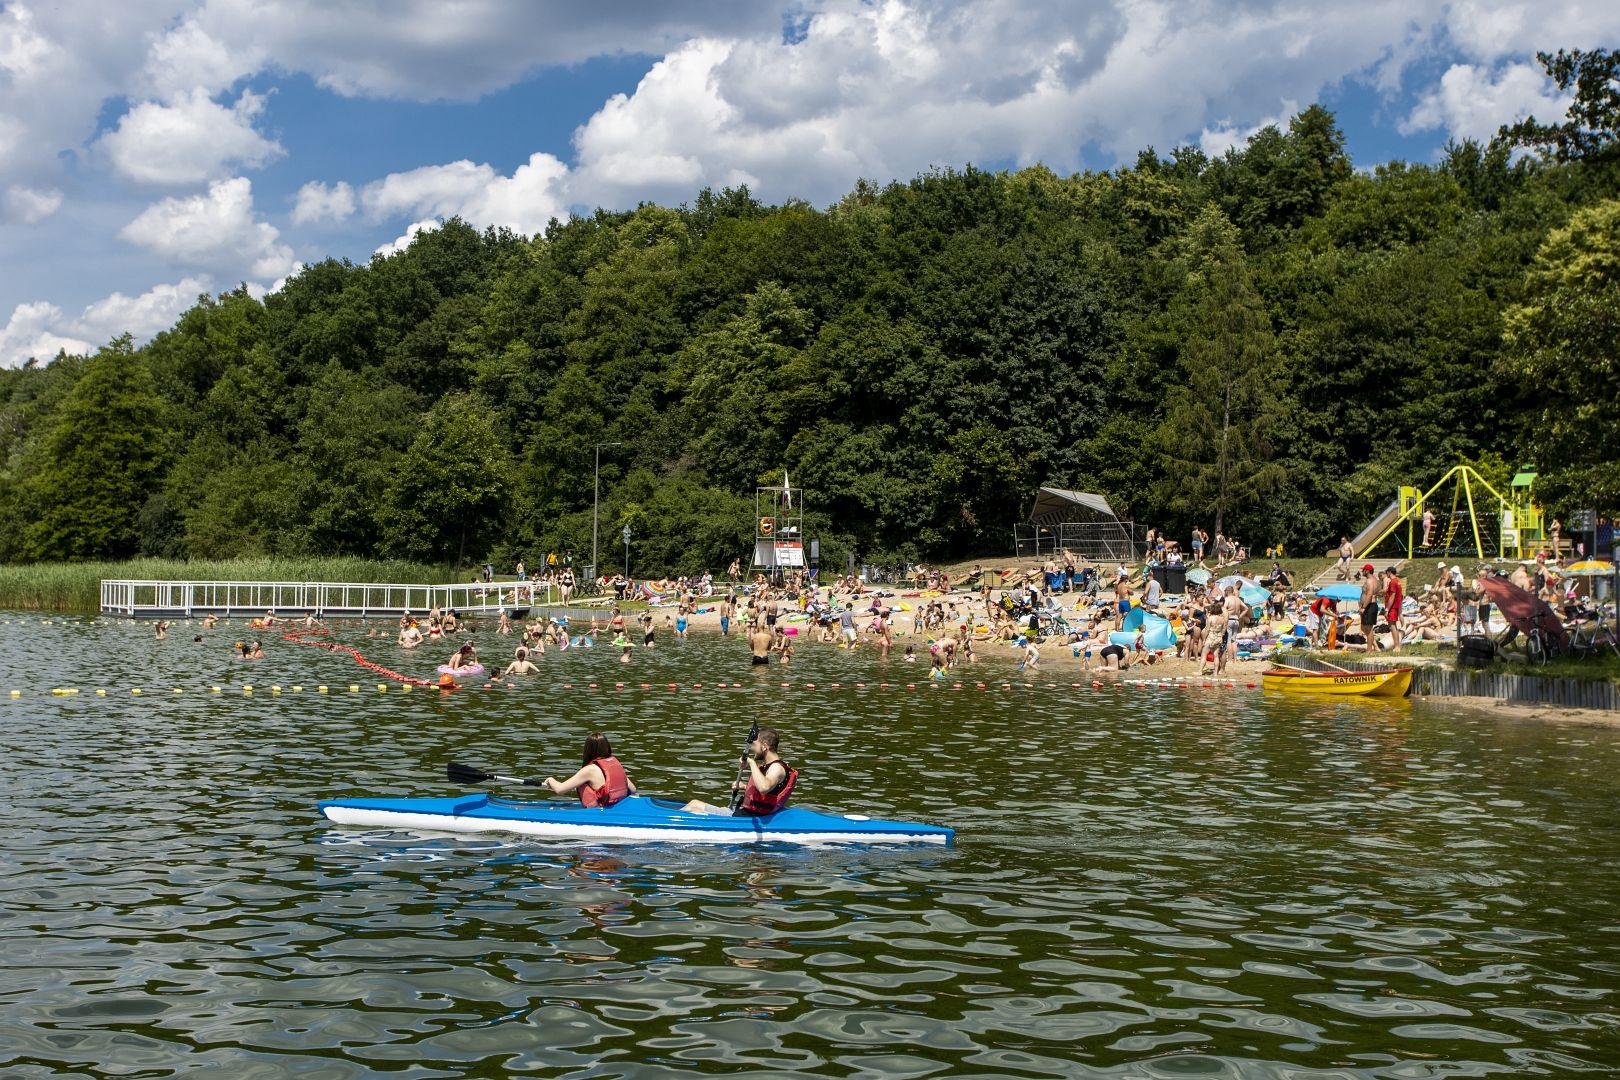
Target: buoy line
{"x":406,"y":683}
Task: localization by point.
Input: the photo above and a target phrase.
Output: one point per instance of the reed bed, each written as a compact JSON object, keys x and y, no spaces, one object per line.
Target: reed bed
{"x":76,"y":587}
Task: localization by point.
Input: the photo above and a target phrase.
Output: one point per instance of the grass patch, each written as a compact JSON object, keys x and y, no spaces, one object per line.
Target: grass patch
{"x":77,"y":586}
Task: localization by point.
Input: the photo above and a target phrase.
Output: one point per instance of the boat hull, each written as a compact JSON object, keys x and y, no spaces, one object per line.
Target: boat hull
{"x":1396,"y":682}
{"x":634,"y":820}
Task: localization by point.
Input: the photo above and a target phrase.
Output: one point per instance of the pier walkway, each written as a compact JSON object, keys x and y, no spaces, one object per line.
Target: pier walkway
{"x":324,"y":599}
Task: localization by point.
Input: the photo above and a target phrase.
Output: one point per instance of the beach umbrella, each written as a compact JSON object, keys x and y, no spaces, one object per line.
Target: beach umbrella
{"x":1199,"y":576}
{"x":1588,"y":568}
{"x":1239,"y":580}
{"x":1342,"y":591}
{"x":1253,"y":595}
{"x":1525,"y":611}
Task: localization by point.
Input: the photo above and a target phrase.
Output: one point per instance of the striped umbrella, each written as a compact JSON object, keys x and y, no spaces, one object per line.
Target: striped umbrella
{"x":1588,"y":568}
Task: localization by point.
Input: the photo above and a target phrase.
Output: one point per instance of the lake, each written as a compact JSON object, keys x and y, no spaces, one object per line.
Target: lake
{"x":1155,"y":882}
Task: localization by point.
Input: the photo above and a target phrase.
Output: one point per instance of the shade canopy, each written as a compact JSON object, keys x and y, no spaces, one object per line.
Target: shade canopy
{"x":1059,"y":506}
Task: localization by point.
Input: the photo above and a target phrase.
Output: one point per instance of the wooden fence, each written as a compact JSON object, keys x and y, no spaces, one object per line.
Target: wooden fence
{"x":1429,"y":680}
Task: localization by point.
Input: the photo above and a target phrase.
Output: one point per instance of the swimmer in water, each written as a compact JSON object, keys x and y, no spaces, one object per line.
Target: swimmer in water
{"x":411,"y":636}
{"x":520,"y":665}
{"x":624,"y":646}
{"x":161,"y":629}
{"x":210,"y":621}
{"x":462,"y":658}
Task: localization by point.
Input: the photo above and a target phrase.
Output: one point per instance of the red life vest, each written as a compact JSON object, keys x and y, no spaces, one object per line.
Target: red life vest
{"x":756,"y":803}
{"x":616,"y":786}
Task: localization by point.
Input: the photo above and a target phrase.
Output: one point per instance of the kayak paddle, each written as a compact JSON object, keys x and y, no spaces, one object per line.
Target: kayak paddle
{"x":457,"y":773}
{"x":737,"y":788}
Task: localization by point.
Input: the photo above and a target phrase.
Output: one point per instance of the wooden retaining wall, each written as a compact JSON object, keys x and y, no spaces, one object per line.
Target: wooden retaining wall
{"x":1434,"y":680}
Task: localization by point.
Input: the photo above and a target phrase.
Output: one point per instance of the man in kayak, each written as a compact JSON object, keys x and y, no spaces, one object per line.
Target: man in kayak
{"x":769,"y":785}
{"x":601,"y":780}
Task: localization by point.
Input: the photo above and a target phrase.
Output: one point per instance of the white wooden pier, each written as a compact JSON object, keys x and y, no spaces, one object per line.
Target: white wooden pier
{"x":323,"y":599}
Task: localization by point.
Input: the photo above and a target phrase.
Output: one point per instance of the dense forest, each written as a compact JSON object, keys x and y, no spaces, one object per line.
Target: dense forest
{"x":1270,"y":341}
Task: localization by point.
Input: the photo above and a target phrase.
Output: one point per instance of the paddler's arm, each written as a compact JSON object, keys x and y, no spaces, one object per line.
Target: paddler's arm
{"x":762,"y":781}
{"x":575,"y":782}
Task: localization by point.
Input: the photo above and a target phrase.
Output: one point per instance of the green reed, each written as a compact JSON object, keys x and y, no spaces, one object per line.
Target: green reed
{"x":77,"y":586}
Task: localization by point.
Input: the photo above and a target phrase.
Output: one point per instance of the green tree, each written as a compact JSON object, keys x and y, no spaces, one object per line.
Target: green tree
{"x":98,"y":462}
{"x":1591,"y":131}
{"x":1215,"y":442}
{"x":1563,"y":347}
{"x":449,"y":493}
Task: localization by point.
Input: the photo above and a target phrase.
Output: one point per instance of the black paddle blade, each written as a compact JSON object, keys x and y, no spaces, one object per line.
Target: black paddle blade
{"x":457,"y":773}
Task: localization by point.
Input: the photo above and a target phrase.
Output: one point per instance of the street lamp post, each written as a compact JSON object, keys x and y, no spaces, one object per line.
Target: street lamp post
{"x":627,"y":553}
{"x":596,"y":501}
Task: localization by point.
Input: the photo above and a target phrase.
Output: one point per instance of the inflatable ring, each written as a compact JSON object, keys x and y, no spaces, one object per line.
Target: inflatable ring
{"x":465,"y":672}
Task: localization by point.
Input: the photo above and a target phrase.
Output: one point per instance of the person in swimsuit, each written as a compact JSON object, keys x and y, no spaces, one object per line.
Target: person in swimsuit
{"x":759,"y":643}
{"x":520,"y":665}
{"x":647,"y":631}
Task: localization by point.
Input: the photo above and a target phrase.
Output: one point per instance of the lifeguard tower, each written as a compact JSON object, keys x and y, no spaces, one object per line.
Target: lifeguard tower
{"x":779,"y":527}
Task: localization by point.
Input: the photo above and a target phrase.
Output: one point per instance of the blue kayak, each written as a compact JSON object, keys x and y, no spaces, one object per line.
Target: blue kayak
{"x":636,"y":819}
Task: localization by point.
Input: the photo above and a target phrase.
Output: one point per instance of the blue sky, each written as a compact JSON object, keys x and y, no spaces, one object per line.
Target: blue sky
{"x":159,"y":148}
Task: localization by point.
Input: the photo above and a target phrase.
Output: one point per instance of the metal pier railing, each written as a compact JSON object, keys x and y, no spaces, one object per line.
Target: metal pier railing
{"x":158,"y":599}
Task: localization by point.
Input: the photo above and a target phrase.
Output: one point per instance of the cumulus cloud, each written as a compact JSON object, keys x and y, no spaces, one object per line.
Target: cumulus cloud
{"x":40,"y":330}
{"x":31,"y":205}
{"x":29,"y":334}
{"x":403,"y":241}
{"x":1472,"y":103}
{"x":524,"y":201}
{"x":321,"y":202}
{"x":1217,"y":140}
{"x":192,"y":139}
{"x":213,"y":231}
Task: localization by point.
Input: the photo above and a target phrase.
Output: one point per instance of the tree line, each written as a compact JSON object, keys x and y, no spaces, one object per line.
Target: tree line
{"x":1266,"y":343}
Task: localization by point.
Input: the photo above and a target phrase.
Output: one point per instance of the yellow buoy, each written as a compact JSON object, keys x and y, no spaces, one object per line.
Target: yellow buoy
{"x":99,"y":693}
{"x":383,"y":687}
{"x":213,"y":689}
{"x":320,"y":689}
{"x":275,"y":689}
{"x":295,"y":689}
{"x":353,"y":689}
{"x":16,"y":693}
{"x":247,"y":689}
{"x":134,"y":689}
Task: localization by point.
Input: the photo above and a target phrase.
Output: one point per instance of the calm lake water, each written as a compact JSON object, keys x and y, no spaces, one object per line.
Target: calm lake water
{"x":1153,"y":882}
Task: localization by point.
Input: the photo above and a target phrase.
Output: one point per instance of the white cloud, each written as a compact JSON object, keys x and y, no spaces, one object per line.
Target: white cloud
{"x":214,"y":231}
{"x":1488,"y":30}
{"x":186,"y":58}
{"x":143,"y":315}
{"x":524,"y":201}
{"x":412,"y":231}
{"x":319,"y":202}
{"x":28,"y":334}
{"x":193,"y":139}
{"x":1471,"y":103}
{"x":31,"y":205}
{"x":421,"y":50}
{"x":1216,"y":141}
{"x":40,"y":330}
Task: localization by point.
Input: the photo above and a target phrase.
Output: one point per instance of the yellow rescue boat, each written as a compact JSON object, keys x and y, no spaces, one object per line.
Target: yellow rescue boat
{"x":1391,"y":682}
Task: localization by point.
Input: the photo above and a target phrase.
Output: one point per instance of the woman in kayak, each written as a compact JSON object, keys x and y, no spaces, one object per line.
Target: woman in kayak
{"x":601,"y":780}
{"x":769,"y":785}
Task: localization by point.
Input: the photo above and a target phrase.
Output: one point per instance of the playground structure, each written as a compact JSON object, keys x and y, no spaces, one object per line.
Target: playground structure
{"x":1078,"y":522}
{"x":779,"y":527}
{"x":1480,"y":522}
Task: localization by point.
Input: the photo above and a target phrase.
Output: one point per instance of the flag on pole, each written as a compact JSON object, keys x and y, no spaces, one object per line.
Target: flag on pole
{"x":787,"y":492}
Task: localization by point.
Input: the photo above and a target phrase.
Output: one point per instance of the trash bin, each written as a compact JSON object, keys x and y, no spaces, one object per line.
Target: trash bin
{"x":1172,"y":579}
